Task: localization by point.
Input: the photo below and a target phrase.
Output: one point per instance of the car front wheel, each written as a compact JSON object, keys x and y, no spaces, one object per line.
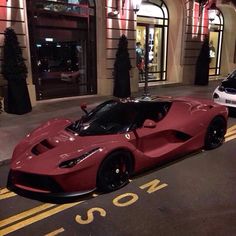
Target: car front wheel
{"x":215,"y":133}
{"x":114,"y":171}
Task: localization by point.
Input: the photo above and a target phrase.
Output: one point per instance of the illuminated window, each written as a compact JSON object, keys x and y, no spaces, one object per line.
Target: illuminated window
{"x":216,"y":26}
{"x":152,"y":27}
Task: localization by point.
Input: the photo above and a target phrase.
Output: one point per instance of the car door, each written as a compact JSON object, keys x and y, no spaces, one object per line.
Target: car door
{"x":153,"y":137}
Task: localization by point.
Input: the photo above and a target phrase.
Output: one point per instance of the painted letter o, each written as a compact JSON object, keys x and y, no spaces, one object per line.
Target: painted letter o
{"x":133,"y":196}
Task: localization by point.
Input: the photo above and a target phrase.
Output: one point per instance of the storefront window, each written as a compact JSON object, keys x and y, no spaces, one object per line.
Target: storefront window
{"x":62,"y":36}
{"x":215,"y":43}
{"x":61,"y":64}
{"x":154,"y":51}
{"x":152,"y":18}
{"x":69,"y":6}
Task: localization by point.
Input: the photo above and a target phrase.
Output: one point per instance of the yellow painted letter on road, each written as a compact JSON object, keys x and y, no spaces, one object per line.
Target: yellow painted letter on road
{"x":153,"y":186}
{"x":117,"y":201}
{"x":90,"y":216}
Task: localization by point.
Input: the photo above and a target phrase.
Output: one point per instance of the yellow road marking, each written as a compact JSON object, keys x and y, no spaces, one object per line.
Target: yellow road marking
{"x":7,"y":195}
{"x":56,"y":232}
{"x":230,"y":138}
{"x":25,"y":214}
{"x":36,"y":218}
{"x":231,"y":128}
{"x":230,"y":133}
{"x":4,"y":190}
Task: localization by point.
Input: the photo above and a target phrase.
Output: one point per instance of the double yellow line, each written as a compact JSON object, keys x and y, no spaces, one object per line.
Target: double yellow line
{"x":231,"y":133}
{"x":31,"y":216}
{"x":5,"y":193}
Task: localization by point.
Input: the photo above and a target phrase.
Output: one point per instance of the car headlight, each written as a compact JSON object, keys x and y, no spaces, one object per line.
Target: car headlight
{"x":72,"y":162}
{"x":221,"y":88}
{"x":215,"y":96}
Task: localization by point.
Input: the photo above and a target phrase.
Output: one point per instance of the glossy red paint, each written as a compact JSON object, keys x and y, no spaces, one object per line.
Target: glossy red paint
{"x":39,"y":155}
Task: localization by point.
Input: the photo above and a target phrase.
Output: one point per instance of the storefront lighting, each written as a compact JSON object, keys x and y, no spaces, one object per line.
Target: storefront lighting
{"x":112,"y":14}
{"x":212,"y":12}
{"x":136,"y":5}
{"x":49,"y":39}
{"x":115,"y":11}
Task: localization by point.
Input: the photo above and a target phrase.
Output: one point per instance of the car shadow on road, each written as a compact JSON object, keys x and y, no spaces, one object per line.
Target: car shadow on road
{"x":63,"y":200}
{"x":232,"y":112}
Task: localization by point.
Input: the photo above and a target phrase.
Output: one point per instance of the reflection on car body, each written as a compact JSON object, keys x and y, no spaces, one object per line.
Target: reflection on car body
{"x":112,"y":142}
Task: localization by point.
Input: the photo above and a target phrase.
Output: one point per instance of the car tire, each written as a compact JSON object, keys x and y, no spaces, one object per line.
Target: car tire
{"x":114,"y":171}
{"x":215,"y":133}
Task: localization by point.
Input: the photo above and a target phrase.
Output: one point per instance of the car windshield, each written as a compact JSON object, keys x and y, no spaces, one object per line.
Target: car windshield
{"x":111,"y":117}
{"x":232,"y":75}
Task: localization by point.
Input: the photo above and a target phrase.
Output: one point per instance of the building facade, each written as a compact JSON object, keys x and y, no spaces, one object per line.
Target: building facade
{"x":70,"y":45}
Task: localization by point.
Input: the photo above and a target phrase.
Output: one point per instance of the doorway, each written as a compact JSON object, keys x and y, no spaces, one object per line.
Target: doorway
{"x":151,"y":41}
{"x":216,"y":26}
{"x":62,"y":42}
{"x":155,"y":51}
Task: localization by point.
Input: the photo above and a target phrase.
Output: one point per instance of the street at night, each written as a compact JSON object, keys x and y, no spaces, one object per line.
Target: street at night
{"x":192,"y":196}
{"x":117,"y":118}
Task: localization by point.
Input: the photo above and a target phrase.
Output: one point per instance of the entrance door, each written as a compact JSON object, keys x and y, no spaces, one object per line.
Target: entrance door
{"x":63,"y":48}
{"x":151,"y":41}
{"x":215,"y":43}
{"x":214,"y":66}
{"x":154,"y":50}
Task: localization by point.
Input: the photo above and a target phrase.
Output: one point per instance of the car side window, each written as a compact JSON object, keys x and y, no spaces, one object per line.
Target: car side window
{"x":155,"y":111}
{"x":149,"y":111}
{"x":233,"y":75}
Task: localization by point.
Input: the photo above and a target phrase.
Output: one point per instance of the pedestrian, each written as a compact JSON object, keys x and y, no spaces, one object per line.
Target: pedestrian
{"x":122,"y":67}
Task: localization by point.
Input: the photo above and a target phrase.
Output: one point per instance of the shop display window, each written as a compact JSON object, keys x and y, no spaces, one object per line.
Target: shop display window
{"x":152,"y":18}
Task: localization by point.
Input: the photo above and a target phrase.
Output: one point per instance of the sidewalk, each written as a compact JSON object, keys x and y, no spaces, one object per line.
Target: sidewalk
{"x":14,"y":127}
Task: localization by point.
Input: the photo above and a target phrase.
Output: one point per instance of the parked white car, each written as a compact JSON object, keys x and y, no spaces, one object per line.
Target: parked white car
{"x":225,"y":93}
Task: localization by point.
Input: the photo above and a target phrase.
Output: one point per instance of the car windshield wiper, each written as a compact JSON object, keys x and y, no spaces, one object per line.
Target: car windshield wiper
{"x":78,"y":124}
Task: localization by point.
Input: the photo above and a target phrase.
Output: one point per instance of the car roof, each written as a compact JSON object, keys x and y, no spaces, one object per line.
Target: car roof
{"x":146,"y":100}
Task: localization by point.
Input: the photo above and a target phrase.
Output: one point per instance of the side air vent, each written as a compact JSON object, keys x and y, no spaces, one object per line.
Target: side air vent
{"x":42,"y":147}
{"x":182,"y":136}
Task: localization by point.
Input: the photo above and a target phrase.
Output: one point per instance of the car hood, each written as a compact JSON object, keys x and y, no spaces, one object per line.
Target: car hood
{"x":49,"y":145}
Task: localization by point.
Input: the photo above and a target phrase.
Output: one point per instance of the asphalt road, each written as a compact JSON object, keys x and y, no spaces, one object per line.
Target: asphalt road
{"x":192,"y":196}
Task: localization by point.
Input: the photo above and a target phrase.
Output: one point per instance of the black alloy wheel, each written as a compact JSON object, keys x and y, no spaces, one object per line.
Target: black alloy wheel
{"x":114,"y":172}
{"x":215,"y":133}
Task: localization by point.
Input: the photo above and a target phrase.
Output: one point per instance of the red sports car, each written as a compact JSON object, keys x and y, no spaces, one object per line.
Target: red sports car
{"x":106,"y":146}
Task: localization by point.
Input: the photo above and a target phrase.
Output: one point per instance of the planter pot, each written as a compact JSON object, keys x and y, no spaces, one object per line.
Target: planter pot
{"x":17,"y":100}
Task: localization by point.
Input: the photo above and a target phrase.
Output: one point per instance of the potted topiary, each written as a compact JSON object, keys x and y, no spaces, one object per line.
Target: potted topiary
{"x":1,"y":99}
{"x":122,"y":67}
{"x":202,"y":65}
{"x":14,"y":70}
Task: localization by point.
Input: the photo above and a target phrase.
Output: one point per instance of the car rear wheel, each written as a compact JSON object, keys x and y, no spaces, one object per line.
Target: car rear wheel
{"x":114,"y":172}
{"x":215,"y":133}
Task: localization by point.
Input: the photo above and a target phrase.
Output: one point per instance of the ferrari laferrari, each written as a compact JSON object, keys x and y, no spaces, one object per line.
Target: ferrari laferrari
{"x":112,"y":142}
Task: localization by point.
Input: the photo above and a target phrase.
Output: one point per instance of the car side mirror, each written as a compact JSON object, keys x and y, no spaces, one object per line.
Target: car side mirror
{"x":83,"y":108}
{"x":149,"y":124}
